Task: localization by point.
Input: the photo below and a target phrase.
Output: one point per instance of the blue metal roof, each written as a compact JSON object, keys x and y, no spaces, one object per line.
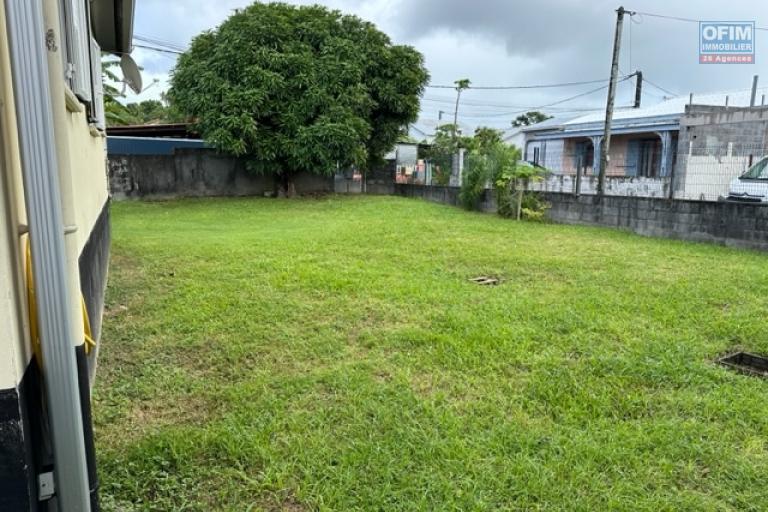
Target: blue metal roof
{"x":149,"y":145}
{"x":592,"y":131}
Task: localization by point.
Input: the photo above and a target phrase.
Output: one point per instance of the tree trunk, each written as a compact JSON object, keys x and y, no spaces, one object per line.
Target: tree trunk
{"x":286,"y":186}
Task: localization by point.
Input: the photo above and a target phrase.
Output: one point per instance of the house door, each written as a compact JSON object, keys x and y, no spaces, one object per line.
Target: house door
{"x":583,"y":158}
{"x":648,"y":158}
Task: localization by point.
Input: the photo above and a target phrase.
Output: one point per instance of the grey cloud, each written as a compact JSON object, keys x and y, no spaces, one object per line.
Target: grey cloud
{"x":514,"y":42}
{"x":573,"y":39}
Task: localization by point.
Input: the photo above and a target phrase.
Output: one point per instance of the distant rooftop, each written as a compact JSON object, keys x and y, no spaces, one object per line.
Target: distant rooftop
{"x":552,"y":123}
{"x":172,"y":130}
{"x":668,"y":110}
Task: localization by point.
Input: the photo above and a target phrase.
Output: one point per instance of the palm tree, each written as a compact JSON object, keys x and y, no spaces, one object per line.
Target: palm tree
{"x":115,"y":112}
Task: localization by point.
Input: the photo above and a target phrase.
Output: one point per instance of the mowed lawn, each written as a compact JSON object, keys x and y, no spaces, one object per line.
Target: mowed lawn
{"x":331,"y":354}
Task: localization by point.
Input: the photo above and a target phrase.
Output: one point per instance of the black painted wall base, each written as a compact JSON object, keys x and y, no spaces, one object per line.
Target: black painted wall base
{"x":25,"y":449}
{"x":18,"y":480}
{"x":94,"y":265}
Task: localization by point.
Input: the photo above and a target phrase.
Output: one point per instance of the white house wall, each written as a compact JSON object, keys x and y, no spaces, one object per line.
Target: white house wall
{"x":614,"y":185}
{"x":14,"y":346}
{"x":550,"y":152}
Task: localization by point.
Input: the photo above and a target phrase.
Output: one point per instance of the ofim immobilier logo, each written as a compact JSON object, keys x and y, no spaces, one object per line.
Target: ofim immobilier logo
{"x":727,"y":42}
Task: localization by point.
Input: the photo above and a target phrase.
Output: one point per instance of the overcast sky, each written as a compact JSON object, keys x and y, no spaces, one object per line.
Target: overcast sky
{"x":508,"y":42}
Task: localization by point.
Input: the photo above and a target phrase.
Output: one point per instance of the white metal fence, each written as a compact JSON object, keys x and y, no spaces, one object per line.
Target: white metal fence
{"x":696,"y":172}
{"x":704,"y":172}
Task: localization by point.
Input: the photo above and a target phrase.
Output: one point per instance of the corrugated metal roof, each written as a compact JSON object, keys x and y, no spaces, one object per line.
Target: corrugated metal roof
{"x":509,"y":133}
{"x":171,"y":130}
{"x":149,"y":145}
{"x":552,"y":123}
{"x":659,"y":116}
{"x":674,"y":107}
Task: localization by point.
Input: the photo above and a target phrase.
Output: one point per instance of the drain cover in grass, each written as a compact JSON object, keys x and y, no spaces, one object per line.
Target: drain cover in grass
{"x":486,"y":280}
{"x":750,"y":364}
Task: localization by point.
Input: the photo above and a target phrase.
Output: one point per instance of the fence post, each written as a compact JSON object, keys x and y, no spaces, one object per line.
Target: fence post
{"x":672,"y":181}
{"x":577,"y":189}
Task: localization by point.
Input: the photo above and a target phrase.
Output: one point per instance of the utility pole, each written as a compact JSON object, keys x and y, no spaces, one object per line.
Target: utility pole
{"x":754,"y":91}
{"x":606,"y":145}
{"x":638,"y":88}
{"x":460,"y":86}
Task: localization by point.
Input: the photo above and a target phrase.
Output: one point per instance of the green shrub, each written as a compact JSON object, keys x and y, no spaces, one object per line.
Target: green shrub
{"x":488,"y":162}
{"x":533,"y":207}
{"x":510,"y":190}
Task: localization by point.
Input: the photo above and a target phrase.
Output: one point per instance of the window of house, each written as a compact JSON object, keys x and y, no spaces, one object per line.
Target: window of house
{"x":65,"y":45}
{"x":96,"y":114}
{"x":76,"y":39}
{"x":81,"y":57}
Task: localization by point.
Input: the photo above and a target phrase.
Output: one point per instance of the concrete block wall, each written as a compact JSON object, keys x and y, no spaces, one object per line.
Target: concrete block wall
{"x":444,"y":195}
{"x":614,"y":185}
{"x":731,"y":224}
{"x":711,"y":127}
{"x":196,"y":173}
{"x":724,"y":223}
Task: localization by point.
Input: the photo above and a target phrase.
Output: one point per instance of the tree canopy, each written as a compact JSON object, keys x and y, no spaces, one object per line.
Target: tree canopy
{"x":152,"y":112}
{"x":295,"y":89}
{"x":485,"y":137}
{"x":530,"y":118}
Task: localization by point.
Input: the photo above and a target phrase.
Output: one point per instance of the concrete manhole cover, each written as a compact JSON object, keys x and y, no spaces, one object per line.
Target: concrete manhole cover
{"x":744,"y":362}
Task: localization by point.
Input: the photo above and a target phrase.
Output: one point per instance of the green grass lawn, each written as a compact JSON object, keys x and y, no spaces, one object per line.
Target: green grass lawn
{"x":330,"y":354}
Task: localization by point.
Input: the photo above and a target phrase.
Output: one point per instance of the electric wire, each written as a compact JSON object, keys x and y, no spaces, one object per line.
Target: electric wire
{"x":156,"y":49}
{"x":512,"y":87}
{"x":679,"y":18}
{"x":160,"y":42}
{"x":662,"y":89}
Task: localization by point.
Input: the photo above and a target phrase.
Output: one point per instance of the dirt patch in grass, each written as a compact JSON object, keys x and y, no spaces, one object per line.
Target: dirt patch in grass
{"x":187,"y":410}
{"x":284,"y":502}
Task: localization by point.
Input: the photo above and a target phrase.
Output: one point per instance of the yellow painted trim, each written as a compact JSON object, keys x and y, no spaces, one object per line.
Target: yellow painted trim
{"x":73,"y":104}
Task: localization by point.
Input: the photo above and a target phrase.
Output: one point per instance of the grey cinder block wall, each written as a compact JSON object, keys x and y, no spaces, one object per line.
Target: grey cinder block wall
{"x":725,"y":223}
{"x":732,"y":224}
{"x":705,"y":126}
{"x":196,"y":173}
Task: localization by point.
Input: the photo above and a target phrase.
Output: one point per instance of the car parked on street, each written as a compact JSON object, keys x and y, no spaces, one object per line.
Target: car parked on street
{"x":752,"y":186}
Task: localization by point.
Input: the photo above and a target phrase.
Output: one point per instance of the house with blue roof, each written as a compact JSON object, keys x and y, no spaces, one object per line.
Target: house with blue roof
{"x":644,"y":141}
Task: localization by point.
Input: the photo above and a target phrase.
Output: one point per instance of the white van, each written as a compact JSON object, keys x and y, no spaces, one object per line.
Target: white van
{"x":752,"y":186}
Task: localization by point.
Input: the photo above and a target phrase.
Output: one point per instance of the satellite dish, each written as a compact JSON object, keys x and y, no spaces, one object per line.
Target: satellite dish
{"x":131,"y":73}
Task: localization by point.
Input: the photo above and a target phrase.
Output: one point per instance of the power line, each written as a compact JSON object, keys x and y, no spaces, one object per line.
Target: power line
{"x":585,"y":93}
{"x":500,"y":112}
{"x":659,"y":87}
{"x":474,"y":105}
{"x":536,"y":86}
{"x":655,"y":95}
{"x":498,"y":118}
{"x":548,"y":105}
{"x":679,"y":18}
{"x":443,"y":99}
{"x":156,"y":49}
{"x":645,"y":79}
{"x":502,"y":115}
{"x":160,"y":42}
